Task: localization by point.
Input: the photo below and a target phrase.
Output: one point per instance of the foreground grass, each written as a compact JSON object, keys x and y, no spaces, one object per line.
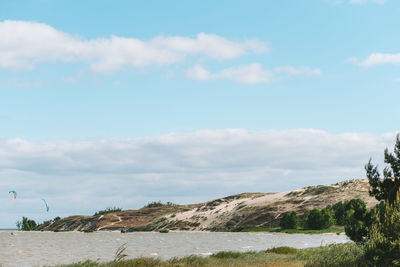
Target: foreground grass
{"x":333,"y":255}
{"x":333,"y":229}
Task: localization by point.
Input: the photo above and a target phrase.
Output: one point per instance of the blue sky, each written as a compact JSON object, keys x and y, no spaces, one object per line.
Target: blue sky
{"x":165,"y":78}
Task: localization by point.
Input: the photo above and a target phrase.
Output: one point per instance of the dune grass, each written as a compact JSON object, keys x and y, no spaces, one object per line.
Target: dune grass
{"x":333,"y":229}
{"x":333,"y":255}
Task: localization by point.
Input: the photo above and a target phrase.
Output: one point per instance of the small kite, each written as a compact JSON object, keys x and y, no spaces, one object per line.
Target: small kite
{"x":14,"y":193}
{"x":47,"y":206}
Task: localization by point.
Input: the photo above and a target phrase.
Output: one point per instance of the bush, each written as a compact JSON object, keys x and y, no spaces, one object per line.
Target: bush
{"x":317,"y":219}
{"x":159,"y":204}
{"x":227,"y":255}
{"x":289,"y":221}
{"x":337,"y":255}
{"x":107,"y":210}
{"x":282,"y":250}
{"x":383,"y":244}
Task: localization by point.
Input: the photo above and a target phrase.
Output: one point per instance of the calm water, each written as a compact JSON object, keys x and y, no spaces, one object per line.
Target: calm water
{"x":49,"y":248}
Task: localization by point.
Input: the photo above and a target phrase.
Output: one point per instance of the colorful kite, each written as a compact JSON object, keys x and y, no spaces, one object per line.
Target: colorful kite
{"x":14,"y":193}
{"x":47,"y":206}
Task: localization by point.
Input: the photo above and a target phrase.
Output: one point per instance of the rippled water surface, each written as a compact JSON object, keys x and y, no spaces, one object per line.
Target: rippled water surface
{"x":49,"y":248}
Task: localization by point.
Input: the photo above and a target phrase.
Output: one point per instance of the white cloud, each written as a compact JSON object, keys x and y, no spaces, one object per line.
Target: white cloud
{"x":82,"y":176}
{"x":379,"y":59}
{"x":246,"y":74}
{"x":249,"y":74}
{"x":25,"y":44}
{"x":198,"y":72}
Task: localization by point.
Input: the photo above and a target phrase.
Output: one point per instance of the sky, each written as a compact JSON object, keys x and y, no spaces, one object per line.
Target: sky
{"x":120,"y":103}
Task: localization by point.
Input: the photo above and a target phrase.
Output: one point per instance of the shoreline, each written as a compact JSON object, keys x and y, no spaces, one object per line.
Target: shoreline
{"x":174,"y":231}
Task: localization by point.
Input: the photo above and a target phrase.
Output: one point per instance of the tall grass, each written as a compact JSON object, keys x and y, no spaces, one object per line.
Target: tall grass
{"x":348,"y":255}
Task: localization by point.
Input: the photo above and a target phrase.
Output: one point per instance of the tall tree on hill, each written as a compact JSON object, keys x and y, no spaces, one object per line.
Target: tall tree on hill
{"x":386,"y":189}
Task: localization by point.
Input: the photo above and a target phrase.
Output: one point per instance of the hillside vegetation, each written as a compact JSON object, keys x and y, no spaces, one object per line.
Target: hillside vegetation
{"x":224,"y":214}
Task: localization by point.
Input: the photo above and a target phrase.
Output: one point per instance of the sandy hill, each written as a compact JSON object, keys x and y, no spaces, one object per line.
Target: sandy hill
{"x":247,"y":209}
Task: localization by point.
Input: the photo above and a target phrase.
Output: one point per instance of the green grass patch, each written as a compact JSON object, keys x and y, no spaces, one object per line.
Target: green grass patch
{"x":283,"y":250}
{"x":227,"y":255}
{"x":349,"y":254}
{"x":333,"y":229}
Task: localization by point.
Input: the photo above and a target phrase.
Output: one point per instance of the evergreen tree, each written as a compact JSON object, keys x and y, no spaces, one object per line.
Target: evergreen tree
{"x":386,"y":188}
{"x":290,"y":220}
{"x":26,"y":224}
{"x":383,"y":244}
{"x":339,"y":209}
{"x":319,"y":219}
{"x":357,"y":221}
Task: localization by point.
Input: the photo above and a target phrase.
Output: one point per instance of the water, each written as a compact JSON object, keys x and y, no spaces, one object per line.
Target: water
{"x":49,"y":248}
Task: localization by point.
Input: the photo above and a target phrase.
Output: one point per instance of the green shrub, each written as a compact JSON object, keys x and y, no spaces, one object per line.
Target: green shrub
{"x":289,"y":220}
{"x":282,"y":250}
{"x":159,"y":204}
{"x":107,"y":210}
{"x":317,"y":219}
{"x":383,"y":244}
{"x":337,"y":255}
{"x":227,"y":255}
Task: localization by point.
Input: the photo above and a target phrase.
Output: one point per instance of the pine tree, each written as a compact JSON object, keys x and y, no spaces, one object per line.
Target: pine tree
{"x":386,"y":189}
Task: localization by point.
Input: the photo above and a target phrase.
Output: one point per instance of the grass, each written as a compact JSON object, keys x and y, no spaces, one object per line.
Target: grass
{"x":223,"y":259}
{"x":348,"y":254}
{"x":333,"y":229}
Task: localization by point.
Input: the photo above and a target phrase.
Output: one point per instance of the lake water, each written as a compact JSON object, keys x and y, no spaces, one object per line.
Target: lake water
{"x":49,"y":248}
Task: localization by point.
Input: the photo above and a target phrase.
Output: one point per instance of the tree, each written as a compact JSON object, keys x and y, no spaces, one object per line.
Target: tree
{"x":319,"y":219}
{"x":290,"y":220}
{"x":26,"y":224}
{"x":339,"y":209}
{"x":19,"y":225}
{"x":357,"y":219}
{"x":383,"y":244}
{"x":386,"y":188}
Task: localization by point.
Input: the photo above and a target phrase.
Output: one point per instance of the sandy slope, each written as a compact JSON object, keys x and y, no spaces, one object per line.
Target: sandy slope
{"x":247,"y":209}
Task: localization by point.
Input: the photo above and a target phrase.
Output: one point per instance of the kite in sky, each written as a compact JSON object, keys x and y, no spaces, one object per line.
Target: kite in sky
{"x":14,"y":193}
{"x":47,"y":206}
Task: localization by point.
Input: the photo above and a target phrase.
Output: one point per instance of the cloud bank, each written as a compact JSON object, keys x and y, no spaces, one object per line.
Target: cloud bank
{"x":25,"y":44}
{"x":249,"y":74}
{"x":80,"y":177}
{"x":377,"y":59}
